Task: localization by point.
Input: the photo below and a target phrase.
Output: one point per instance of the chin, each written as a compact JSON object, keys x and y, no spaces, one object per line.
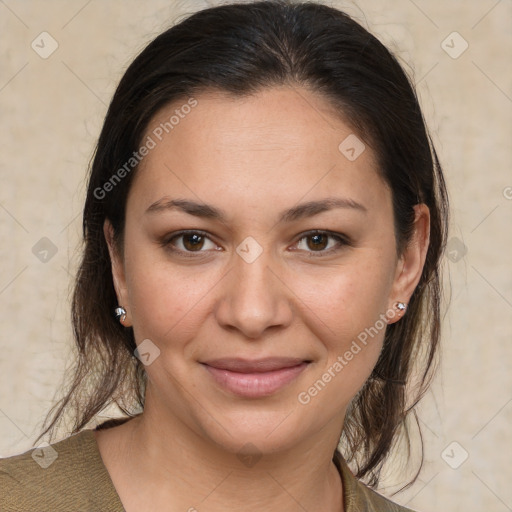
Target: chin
{"x":255,"y":429}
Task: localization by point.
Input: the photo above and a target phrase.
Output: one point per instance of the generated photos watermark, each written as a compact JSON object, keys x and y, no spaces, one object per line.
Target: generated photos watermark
{"x":305,"y":397}
{"x":150,"y":143}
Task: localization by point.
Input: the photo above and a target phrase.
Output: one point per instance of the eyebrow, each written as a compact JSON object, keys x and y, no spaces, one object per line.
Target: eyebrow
{"x":300,"y":211}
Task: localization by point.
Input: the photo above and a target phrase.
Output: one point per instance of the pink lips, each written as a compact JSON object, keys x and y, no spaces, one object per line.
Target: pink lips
{"x":255,"y":378}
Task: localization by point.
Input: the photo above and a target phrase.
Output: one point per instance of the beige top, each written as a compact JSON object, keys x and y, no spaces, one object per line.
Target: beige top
{"x":78,"y":481}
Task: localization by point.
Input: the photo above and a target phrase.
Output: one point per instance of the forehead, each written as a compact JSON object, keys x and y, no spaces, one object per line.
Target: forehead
{"x":280,"y":142}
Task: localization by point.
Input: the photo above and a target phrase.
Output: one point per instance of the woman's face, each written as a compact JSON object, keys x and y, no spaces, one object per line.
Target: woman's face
{"x":267,"y":317}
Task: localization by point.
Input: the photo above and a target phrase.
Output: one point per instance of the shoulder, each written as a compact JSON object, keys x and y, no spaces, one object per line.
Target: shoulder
{"x":360,"y":498}
{"x":378,"y":503}
{"x":67,"y":475}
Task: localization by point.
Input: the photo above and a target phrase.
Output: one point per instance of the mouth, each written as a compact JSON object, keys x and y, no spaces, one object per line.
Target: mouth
{"x":255,"y":378}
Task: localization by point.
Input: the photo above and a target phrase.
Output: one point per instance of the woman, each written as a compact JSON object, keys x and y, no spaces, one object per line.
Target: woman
{"x":259,"y":289}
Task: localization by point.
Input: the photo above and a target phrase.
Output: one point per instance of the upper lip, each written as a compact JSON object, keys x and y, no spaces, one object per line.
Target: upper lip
{"x":267,"y":364}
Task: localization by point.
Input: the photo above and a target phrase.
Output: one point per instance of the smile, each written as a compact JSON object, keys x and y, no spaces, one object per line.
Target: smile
{"x":255,"y":379}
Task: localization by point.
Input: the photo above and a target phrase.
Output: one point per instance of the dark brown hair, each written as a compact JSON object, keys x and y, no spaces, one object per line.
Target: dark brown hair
{"x":240,"y":49}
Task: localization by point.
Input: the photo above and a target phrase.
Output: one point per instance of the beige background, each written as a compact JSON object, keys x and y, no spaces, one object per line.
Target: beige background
{"x":51,"y":114}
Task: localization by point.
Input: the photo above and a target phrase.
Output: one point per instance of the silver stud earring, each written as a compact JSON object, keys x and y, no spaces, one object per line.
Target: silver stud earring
{"x":120,"y":314}
{"x":401,"y":306}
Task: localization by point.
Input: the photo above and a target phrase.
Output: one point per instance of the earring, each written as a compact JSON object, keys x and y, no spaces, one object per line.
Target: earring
{"x":120,"y":314}
{"x":401,"y":306}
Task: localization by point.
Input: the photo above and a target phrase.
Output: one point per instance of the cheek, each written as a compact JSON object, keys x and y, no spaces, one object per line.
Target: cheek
{"x":346,"y":311}
{"x":348,"y":298}
{"x":166,"y":302}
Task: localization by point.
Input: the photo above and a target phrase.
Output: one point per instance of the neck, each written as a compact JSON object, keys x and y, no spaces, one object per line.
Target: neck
{"x":174,"y":468}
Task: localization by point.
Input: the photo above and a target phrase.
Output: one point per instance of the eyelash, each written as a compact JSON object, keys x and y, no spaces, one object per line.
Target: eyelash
{"x":341,"y":239}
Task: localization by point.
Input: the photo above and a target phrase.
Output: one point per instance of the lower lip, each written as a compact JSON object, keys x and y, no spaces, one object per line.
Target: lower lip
{"x":255,"y":385}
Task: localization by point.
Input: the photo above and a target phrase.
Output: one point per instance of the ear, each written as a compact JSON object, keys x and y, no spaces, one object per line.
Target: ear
{"x":410,"y":264}
{"x":118,"y":273}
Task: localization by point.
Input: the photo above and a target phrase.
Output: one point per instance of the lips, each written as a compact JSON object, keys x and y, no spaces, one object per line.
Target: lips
{"x":254,"y":378}
{"x":268,"y":364}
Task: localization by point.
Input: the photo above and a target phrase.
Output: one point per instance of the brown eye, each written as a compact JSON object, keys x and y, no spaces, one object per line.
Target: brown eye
{"x":188,"y":242}
{"x":193,"y":242}
{"x":317,"y":242}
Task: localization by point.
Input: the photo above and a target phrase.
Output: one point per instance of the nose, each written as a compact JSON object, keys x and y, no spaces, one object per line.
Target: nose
{"x":254,"y":298}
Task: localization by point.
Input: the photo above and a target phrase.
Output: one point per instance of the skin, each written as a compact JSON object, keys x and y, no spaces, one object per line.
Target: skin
{"x":252,"y":158}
